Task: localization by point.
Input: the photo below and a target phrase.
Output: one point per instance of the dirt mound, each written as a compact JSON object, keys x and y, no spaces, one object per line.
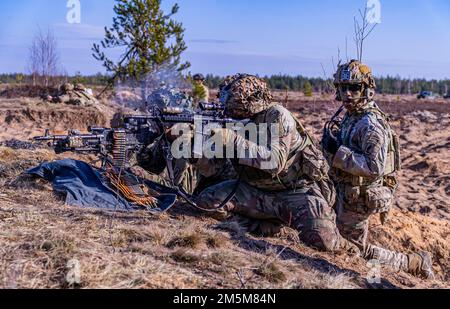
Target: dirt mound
{"x":24,"y":119}
{"x":410,"y":232}
{"x":425,"y":177}
{"x":28,"y":91}
{"x":181,"y":249}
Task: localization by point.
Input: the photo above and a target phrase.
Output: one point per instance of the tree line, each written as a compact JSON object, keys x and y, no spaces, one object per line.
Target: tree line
{"x":385,"y":85}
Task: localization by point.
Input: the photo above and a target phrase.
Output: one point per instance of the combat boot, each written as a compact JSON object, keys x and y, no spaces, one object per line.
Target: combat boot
{"x":421,"y":264}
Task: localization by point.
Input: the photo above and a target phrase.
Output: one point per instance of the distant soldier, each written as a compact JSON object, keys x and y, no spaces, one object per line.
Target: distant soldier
{"x":364,"y":154}
{"x":75,"y":95}
{"x":200,"y":92}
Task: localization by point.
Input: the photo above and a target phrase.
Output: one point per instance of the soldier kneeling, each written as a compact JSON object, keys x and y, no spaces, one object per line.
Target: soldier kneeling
{"x":292,"y":190}
{"x":364,"y":155}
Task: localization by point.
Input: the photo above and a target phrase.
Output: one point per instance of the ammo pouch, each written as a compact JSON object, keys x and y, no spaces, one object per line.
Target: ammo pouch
{"x":312,"y":161}
{"x":379,"y":199}
{"x":307,"y":163}
{"x":352,"y":194}
{"x":313,"y":164}
{"x":368,"y":200}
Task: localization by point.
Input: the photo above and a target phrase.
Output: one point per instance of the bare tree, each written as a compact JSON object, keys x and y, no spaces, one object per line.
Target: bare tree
{"x":33,"y":61}
{"x":362,"y":30}
{"x":43,"y":57}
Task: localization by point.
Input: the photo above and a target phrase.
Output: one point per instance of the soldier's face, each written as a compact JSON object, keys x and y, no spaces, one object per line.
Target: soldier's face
{"x":351,"y":93}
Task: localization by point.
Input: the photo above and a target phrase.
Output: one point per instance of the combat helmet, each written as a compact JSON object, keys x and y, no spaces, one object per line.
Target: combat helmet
{"x":169,"y":97}
{"x":198,"y":77}
{"x":354,"y":72}
{"x":67,"y":87}
{"x":80,"y":87}
{"x":244,"y":96}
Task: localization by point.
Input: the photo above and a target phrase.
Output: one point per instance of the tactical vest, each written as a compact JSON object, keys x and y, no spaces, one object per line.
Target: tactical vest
{"x":305,"y":163}
{"x":393,"y":159}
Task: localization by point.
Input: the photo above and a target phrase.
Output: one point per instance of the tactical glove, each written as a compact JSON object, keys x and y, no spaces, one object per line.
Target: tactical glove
{"x":330,"y":144}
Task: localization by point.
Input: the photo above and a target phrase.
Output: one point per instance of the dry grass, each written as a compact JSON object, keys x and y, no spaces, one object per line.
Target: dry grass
{"x":192,"y":241}
{"x":271,"y":272}
{"x":40,"y":237}
{"x":184,"y":256}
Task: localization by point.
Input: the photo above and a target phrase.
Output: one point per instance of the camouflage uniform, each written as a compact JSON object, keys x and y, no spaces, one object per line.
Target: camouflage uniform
{"x":200,"y":92}
{"x":75,"y":95}
{"x":189,"y":175}
{"x":364,"y":167}
{"x":295,"y":191}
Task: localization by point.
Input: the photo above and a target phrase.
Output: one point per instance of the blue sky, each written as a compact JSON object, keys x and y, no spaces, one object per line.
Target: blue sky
{"x":254,"y":36}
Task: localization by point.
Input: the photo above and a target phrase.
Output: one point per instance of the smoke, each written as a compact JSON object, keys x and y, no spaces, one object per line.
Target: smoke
{"x":132,"y":93}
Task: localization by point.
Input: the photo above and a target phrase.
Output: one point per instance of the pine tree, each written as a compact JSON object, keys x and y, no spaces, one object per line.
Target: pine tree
{"x":307,"y":89}
{"x":150,"y":38}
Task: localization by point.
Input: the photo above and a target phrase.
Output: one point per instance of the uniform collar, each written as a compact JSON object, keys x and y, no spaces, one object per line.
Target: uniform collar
{"x":363,"y":108}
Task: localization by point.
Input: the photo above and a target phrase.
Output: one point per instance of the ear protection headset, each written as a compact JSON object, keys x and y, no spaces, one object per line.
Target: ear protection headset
{"x":370,"y":93}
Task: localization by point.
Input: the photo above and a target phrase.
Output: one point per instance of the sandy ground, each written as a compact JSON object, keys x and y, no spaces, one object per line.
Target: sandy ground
{"x":40,"y":237}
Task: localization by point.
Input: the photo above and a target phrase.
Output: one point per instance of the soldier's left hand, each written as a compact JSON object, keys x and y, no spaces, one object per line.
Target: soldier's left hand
{"x":180,"y":130}
{"x":330,"y":144}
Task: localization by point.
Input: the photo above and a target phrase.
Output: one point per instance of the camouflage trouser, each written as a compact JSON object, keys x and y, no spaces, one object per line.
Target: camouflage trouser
{"x":354,"y":226}
{"x":186,"y":176}
{"x":304,"y":210}
{"x":192,"y":178}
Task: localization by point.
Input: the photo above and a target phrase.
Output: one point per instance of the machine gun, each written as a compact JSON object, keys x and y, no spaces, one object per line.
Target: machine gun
{"x":113,"y":145}
{"x":132,"y":134}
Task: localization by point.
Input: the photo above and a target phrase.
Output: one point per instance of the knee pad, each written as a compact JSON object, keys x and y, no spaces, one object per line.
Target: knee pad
{"x":324,"y":237}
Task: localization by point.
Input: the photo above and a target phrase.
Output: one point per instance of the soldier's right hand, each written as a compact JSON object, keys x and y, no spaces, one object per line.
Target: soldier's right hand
{"x":180,"y":130}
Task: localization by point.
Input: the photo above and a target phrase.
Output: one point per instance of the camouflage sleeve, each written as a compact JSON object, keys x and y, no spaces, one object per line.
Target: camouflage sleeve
{"x":206,"y":98}
{"x":211,"y":167}
{"x":273,"y":157}
{"x":199,"y":92}
{"x":373,"y":140}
